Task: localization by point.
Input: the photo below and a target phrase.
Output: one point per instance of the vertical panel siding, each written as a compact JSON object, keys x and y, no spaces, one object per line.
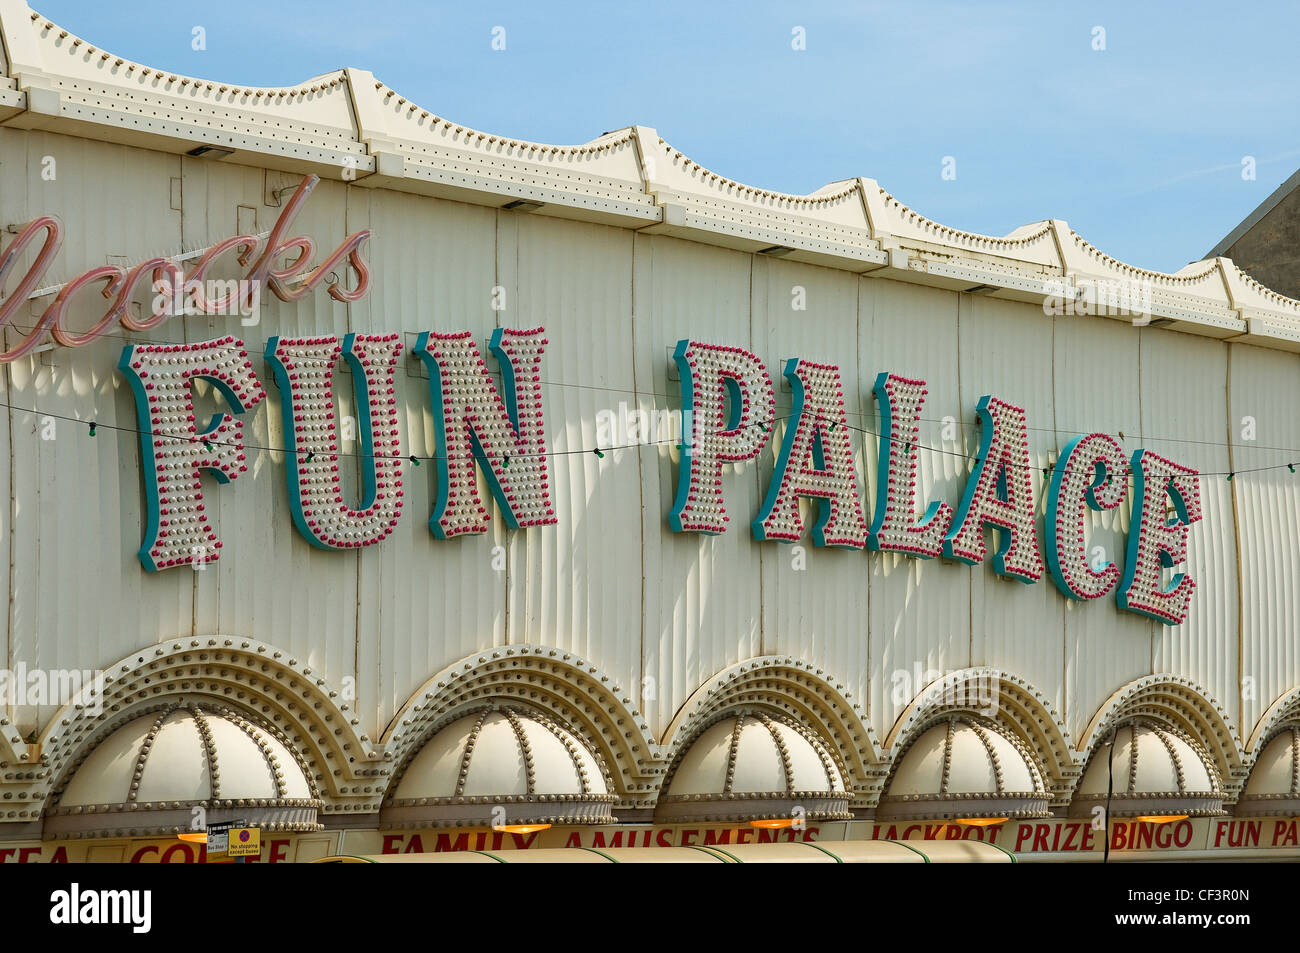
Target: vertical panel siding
{"x":1184,"y":417}
{"x":1006,"y":351}
{"x":1266,"y":388}
{"x":1096,"y":388}
{"x":267,"y":578}
{"x":424,"y":602}
{"x":577,"y":585}
{"x":919,"y":609}
{"x":702,"y":594}
{"x":611,"y":582}
{"x":818,"y":613}
{"x":80,"y":599}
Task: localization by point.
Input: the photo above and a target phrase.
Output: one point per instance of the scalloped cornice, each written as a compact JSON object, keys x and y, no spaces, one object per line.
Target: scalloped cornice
{"x":350,"y":127}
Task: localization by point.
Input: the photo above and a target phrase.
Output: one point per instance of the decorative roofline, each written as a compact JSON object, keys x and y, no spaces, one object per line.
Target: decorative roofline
{"x":350,"y":127}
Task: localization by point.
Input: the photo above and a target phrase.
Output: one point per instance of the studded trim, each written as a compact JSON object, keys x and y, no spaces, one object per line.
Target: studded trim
{"x":1295,"y":762}
{"x":828,"y":763}
{"x":786,"y":767}
{"x":1132,"y":760}
{"x":144,"y":753}
{"x":209,"y":751}
{"x":277,"y":773}
{"x":945,"y":803}
{"x":731,"y":755}
{"x":530,"y":767}
{"x":983,"y":736}
{"x":1173,"y":756}
{"x":947,"y":756}
{"x":469,"y":752}
{"x":584,"y":778}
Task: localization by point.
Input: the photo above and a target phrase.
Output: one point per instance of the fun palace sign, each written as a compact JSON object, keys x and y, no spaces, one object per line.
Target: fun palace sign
{"x":498,"y":433}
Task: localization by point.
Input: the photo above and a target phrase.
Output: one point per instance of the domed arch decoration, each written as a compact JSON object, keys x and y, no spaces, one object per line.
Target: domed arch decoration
{"x":800,"y":691}
{"x":1008,"y":701}
{"x":1181,"y":704}
{"x":430,"y":789}
{"x":1284,"y":712}
{"x":345,"y":767}
{"x":566,"y":686}
{"x":1014,"y":784}
{"x":98,"y":796}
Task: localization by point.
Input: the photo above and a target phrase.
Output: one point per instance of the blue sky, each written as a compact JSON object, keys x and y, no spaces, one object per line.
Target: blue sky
{"x":1139,"y":146}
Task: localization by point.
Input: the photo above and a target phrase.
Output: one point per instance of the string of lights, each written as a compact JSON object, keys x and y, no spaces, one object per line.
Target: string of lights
{"x":597,"y":451}
{"x":960,"y":422}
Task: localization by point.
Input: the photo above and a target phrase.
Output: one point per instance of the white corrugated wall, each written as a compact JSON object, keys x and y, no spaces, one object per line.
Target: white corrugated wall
{"x":658,"y":612}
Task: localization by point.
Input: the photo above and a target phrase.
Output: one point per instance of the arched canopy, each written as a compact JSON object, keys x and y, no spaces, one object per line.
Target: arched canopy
{"x":567,"y":687}
{"x":1178,"y":703}
{"x":343,"y":764}
{"x":1008,"y":701}
{"x":179,"y":767}
{"x":964,"y":766}
{"x":800,"y":692}
{"x":751,"y":766}
{"x":502,"y":765}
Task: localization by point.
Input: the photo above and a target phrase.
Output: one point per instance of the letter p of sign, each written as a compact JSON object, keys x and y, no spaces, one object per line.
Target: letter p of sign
{"x":728,"y":406}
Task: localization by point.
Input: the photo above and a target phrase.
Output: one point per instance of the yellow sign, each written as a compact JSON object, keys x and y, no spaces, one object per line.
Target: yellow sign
{"x":244,"y":842}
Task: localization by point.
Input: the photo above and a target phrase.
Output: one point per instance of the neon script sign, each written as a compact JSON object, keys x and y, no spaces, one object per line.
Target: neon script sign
{"x":176,"y":292}
{"x":498,"y":433}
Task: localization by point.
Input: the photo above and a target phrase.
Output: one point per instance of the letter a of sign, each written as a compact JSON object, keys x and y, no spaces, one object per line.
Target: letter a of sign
{"x":175,"y":452}
{"x":1000,"y":493}
{"x":816,"y":460}
{"x":472,"y":423}
{"x":304,"y":372}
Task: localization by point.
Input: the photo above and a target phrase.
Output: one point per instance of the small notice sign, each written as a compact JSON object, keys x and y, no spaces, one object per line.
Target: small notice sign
{"x":244,"y":842}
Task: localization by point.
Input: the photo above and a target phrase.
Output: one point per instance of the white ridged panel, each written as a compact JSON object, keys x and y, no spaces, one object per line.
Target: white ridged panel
{"x":80,"y":598}
{"x":1006,"y":351}
{"x":577,"y":585}
{"x":1184,"y":418}
{"x":1265,"y":385}
{"x":425,"y":602}
{"x":635,"y":599}
{"x":6,"y":508}
{"x":702,"y":592}
{"x":819,"y":613}
{"x":919,"y":610}
{"x":267,"y":579}
{"x":1096,"y":382}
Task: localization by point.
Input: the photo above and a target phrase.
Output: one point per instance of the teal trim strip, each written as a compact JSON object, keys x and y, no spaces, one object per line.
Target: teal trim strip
{"x":1005,"y":851}
{"x":713,"y":849}
{"x":823,"y":850}
{"x":912,"y":849}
